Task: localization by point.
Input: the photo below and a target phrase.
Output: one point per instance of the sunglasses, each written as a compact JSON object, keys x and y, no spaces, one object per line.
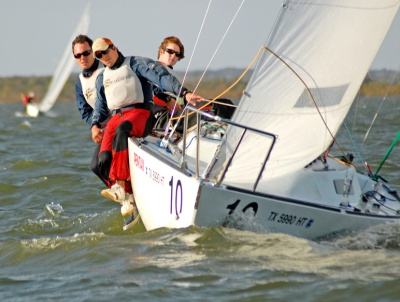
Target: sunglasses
{"x":85,"y":54}
{"x":104,"y":52}
{"x":173,"y":52}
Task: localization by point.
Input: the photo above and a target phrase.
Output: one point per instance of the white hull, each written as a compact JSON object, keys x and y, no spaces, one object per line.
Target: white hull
{"x":171,"y":192}
{"x":32,"y":110}
{"x":281,"y":215}
{"x":171,"y":197}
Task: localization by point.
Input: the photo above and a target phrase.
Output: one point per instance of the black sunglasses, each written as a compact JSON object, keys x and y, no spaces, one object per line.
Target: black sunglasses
{"x":173,"y":52}
{"x":104,"y":52}
{"x":85,"y":54}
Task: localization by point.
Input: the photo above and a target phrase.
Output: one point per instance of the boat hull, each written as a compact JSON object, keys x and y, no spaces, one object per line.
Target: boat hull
{"x":267,"y":213}
{"x":165,"y":197}
{"x":32,"y":110}
{"x":168,"y":196}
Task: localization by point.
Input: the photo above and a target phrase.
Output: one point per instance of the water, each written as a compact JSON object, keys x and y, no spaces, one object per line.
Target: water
{"x":62,"y":241}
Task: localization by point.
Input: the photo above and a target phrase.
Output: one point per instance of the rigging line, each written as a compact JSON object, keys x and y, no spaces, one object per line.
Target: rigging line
{"x":379,"y":108}
{"x":190,"y":61}
{"x":356,"y":111}
{"x":230,"y":87}
{"x":220,"y":43}
{"x":357,"y":149}
{"x":197,"y":41}
{"x":209,"y":63}
{"x":387,"y":155}
{"x":311,"y":96}
{"x":225,"y":104}
{"x":356,"y":115}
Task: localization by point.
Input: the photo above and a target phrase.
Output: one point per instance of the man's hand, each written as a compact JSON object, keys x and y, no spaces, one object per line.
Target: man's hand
{"x":97,"y":134}
{"x":192,"y":98}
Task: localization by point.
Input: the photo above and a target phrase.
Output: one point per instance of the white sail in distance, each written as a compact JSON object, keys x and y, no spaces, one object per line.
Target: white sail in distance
{"x":65,"y":65}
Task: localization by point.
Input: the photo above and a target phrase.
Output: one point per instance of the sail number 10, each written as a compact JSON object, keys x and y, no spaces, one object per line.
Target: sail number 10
{"x":176,"y":197}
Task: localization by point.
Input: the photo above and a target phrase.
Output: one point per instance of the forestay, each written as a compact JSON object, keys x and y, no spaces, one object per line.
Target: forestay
{"x":330,"y":45}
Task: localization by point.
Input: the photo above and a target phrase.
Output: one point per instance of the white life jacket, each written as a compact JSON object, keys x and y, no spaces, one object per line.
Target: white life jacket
{"x":122,"y":86}
{"x":89,"y":87}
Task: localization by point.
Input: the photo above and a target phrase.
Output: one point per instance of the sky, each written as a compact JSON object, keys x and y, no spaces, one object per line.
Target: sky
{"x":35,"y":33}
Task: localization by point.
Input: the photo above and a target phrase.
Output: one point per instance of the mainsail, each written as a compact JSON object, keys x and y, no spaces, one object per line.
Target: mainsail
{"x":325,"y":49}
{"x":64,"y":67}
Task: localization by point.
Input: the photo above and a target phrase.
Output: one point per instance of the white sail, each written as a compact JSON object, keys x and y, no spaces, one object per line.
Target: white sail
{"x":330,"y":45}
{"x":65,"y":66}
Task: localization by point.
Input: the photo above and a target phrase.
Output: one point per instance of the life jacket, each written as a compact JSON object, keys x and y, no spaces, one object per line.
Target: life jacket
{"x":89,"y":87}
{"x":122,"y":86}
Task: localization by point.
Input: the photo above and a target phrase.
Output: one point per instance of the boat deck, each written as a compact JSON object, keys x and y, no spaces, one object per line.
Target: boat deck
{"x":208,"y":146}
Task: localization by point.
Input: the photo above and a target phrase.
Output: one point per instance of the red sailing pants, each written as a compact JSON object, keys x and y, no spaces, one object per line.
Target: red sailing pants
{"x":134,"y":122}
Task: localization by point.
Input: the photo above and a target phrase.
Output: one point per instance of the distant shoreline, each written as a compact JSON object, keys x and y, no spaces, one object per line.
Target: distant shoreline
{"x":376,"y":83}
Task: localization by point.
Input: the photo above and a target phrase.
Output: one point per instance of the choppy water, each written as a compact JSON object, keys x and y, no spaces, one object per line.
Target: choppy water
{"x":62,"y":241}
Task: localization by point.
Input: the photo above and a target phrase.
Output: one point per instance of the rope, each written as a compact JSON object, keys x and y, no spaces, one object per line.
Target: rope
{"x":358,"y":150}
{"x":375,"y":177}
{"x":298,"y":76}
{"x":380,"y":105}
{"x":312,"y":98}
{"x":230,"y":87}
{"x":212,"y":58}
{"x":219,"y":45}
{"x":187,"y":69}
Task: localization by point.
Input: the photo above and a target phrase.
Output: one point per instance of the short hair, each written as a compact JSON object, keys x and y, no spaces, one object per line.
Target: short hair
{"x":172,"y":40}
{"x":80,"y":40}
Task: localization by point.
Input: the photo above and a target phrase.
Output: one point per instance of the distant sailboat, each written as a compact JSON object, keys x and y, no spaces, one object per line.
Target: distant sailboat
{"x":62,"y":72}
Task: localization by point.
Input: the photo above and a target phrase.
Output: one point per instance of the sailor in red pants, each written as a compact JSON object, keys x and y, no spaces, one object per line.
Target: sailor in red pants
{"x":125,"y":87}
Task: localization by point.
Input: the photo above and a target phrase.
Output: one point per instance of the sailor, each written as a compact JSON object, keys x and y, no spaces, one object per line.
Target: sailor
{"x":125,"y":87}
{"x":31,"y":97}
{"x":170,"y":52}
{"x":85,"y":91}
{"x":24,"y":99}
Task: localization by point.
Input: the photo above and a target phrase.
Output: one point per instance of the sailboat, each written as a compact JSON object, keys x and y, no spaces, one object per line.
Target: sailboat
{"x":271,"y":162}
{"x":62,"y":72}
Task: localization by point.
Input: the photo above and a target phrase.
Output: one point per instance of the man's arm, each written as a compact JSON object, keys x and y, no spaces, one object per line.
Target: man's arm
{"x":157,"y":74}
{"x":100,"y":112}
{"x":83,"y":107}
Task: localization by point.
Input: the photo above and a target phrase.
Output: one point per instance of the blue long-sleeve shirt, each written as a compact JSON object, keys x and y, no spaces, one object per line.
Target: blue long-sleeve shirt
{"x":149,"y":72}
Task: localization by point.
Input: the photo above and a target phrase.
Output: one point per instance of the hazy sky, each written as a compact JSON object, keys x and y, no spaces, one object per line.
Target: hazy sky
{"x":36,"y":32}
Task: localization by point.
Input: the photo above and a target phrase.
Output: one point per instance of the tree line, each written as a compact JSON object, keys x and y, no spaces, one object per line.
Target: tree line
{"x":11,"y":88}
